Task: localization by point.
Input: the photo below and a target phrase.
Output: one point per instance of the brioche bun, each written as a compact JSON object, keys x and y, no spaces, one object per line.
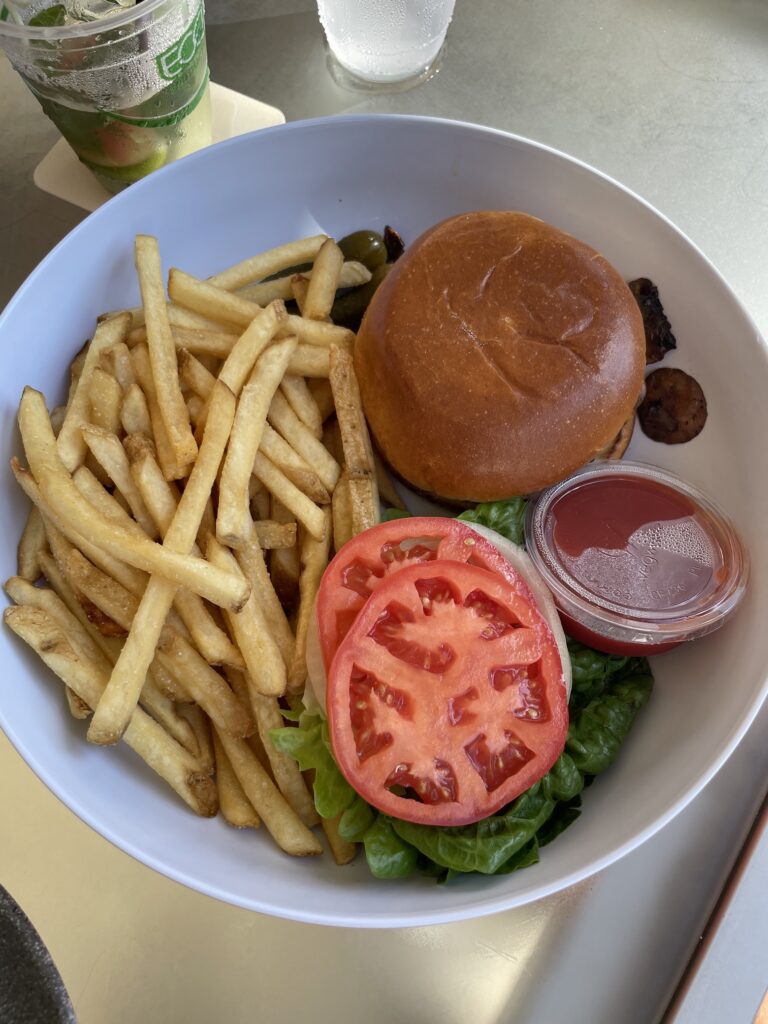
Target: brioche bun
{"x":499,"y":355}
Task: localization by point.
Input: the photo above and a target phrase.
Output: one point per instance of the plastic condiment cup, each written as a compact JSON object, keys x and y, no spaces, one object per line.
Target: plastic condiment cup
{"x":637,"y":560}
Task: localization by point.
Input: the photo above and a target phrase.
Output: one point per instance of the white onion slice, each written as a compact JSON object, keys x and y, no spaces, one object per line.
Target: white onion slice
{"x":317,"y":679}
{"x":519,"y":559}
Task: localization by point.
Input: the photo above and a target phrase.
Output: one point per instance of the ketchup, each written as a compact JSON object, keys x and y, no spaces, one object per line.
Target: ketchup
{"x":637,"y":560}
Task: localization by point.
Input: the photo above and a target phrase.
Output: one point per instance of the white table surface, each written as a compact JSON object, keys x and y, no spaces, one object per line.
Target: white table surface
{"x":671,"y":99}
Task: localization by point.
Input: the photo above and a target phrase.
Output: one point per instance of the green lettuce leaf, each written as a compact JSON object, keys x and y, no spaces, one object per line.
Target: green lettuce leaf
{"x":310,"y":747}
{"x":505,"y":517}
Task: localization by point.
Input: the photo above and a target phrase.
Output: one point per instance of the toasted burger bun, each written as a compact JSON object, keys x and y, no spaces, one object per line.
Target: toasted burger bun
{"x":499,"y":355}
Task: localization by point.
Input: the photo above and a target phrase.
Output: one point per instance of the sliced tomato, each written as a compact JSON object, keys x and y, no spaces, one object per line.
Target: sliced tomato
{"x":446,"y":697}
{"x":376,"y":554}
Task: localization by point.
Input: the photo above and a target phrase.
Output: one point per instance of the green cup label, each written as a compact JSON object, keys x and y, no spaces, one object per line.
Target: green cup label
{"x":179,"y":55}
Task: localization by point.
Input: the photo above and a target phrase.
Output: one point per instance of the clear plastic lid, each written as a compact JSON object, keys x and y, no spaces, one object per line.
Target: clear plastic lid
{"x":636,"y":555}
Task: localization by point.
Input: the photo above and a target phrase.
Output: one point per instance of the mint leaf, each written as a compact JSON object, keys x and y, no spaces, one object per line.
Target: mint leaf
{"x":51,"y":17}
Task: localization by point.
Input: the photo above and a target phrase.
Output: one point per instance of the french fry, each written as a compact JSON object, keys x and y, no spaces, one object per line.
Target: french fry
{"x":283,"y":824}
{"x":195,"y":407}
{"x":300,"y":399}
{"x":105,"y":396}
{"x":162,"y":352}
{"x":320,"y":389}
{"x":251,"y":561}
{"x":173,"y":651}
{"x":194,"y":374}
{"x":271,"y":535}
{"x":310,"y":361}
{"x":33,"y":541}
{"x":150,"y":741}
{"x":260,"y":499}
{"x":299,"y":289}
{"x":134,"y":412}
{"x":282,"y":417}
{"x":352,"y":274}
{"x":298,"y":471}
{"x":324,"y":281}
{"x":250,"y":345}
{"x":278,"y":484}
{"x":67,"y":503}
{"x":314,"y":559}
{"x":341,"y":506}
{"x":110,"y":454}
{"x":211,"y":301}
{"x":203,"y":736}
{"x":270,"y":262}
{"x":165,"y":454}
{"x":284,"y":769}
{"x":263,"y":660}
{"x":70,"y":444}
{"x":117,"y":361}
{"x":124,"y":686}
{"x":161,"y":500}
{"x":343,"y":852}
{"x":57,"y":418}
{"x":317,"y":332}
{"x":235,"y":807}
{"x":284,"y":564}
{"x":233,"y":516}
{"x":358,"y":452}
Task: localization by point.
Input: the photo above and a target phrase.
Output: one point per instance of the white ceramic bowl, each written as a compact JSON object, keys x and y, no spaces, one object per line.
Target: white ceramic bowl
{"x":335,"y":175}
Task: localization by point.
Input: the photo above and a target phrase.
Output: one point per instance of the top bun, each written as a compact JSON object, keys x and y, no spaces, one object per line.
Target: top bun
{"x":499,"y":355}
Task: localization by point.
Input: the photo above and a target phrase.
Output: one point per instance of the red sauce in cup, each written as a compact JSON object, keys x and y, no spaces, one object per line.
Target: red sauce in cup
{"x":637,"y":560}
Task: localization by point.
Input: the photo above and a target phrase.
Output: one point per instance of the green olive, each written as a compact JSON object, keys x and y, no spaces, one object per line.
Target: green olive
{"x":348,"y":308}
{"x":366,"y":247}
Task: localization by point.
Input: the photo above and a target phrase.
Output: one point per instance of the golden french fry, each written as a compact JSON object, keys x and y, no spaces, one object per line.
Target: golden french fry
{"x":233,"y":516}
{"x":266,"y":669}
{"x":195,"y":407}
{"x":161,"y":499}
{"x":67,"y":503}
{"x":57,"y":418}
{"x":284,"y":769}
{"x":174,"y":653}
{"x":270,"y":534}
{"x":324,"y":281}
{"x":165,"y":454}
{"x":282,"y":417}
{"x":250,"y":345}
{"x":105,"y":396}
{"x":284,"y":564}
{"x":299,"y":472}
{"x":302,"y":402}
{"x":282,"y":822}
{"x":299,"y":289}
{"x":124,"y":686}
{"x":203,"y":733}
{"x":278,"y":484}
{"x":314,"y":559}
{"x":128,"y":576}
{"x":150,"y":741}
{"x":214,"y":343}
{"x":270,"y":262}
{"x":234,"y":805}
{"x":343,"y":852}
{"x":358,"y":452}
{"x":352,"y":274}
{"x":211,"y":301}
{"x":110,"y":454}
{"x":134,"y":412}
{"x":341,"y":506}
{"x":309,"y":361}
{"x":70,"y":443}
{"x":320,"y":390}
{"x":33,"y":541}
{"x":77,"y":707}
{"x":117,"y":361}
{"x":317,"y":332}
{"x":162,"y":352}
{"x":254,"y":568}
{"x":192,"y":373}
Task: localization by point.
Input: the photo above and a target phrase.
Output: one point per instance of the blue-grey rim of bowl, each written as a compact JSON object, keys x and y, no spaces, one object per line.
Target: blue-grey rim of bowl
{"x":31,"y":989}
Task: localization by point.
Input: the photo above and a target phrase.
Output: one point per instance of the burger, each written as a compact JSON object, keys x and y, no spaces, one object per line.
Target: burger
{"x":498,"y":356}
